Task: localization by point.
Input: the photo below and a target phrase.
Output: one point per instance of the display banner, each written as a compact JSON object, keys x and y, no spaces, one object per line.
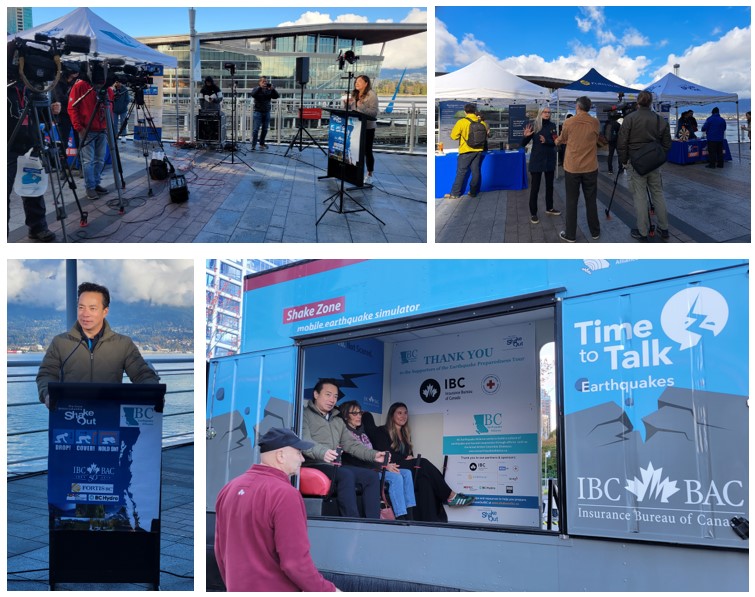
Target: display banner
{"x":357,"y":365}
{"x":153,"y":101}
{"x":353,"y":141}
{"x":656,"y":402}
{"x":104,"y":465}
{"x":450,"y":113}
{"x":485,"y":384}
{"x":517,"y":122}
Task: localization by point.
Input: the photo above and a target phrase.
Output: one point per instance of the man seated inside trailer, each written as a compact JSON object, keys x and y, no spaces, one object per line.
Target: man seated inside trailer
{"x":329,"y":433}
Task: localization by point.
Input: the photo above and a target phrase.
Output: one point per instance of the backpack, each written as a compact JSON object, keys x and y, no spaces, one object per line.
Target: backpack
{"x":478,"y":134}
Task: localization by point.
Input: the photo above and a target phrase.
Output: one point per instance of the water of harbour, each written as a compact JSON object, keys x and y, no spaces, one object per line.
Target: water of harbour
{"x":29,"y":414}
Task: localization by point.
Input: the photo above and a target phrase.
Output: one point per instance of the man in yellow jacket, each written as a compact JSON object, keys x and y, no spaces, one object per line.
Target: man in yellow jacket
{"x":470,"y":154}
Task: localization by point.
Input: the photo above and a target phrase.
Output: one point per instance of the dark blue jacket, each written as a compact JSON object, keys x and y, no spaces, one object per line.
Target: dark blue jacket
{"x":715,"y":127}
{"x":543,"y":157}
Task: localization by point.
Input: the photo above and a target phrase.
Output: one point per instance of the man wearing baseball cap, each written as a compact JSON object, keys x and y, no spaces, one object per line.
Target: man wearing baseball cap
{"x":261,"y":541}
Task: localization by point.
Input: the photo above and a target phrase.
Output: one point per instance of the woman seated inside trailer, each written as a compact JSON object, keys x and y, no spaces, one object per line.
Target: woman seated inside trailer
{"x":400,"y":483}
{"x":431,"y":490}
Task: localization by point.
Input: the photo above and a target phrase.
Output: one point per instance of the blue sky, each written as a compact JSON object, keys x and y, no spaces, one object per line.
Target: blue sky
{"x":631,"y":45}
{"x":139,"y":22}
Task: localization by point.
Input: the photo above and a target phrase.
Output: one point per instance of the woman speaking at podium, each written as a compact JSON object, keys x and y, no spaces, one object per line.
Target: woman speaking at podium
{"x":364,"y":100}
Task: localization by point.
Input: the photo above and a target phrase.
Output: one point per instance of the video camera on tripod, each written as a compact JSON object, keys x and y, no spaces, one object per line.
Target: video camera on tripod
{"x":621,"y":110}
{"x":138,"y":77}
{"x":38,"y":61}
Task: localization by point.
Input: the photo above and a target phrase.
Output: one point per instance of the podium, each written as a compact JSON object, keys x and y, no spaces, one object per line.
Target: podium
{"x":346,"y":156}
{"x":103,"y":493}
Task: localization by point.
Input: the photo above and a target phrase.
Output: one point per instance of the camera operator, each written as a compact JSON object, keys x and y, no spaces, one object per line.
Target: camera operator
{"x":121,"y":100}
{"x":211,"y":95}
{"x":82,"y":104}
{"x":60,"y":96}
{"x":34,"y":207}
{"x":263,"y":95}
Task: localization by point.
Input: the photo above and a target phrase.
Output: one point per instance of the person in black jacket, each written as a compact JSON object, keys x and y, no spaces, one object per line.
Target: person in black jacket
{"x":60,"y":95}
{"x":542,"y":160}
{"x":34,"y":207}
{"x":431,"y":490}
{"x":611,"y":133}
{"x":263,"y":95}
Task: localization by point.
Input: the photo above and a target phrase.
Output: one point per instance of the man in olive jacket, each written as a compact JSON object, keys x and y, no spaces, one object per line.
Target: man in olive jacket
{"x":90,"y":351}
{"x":639,"y":128}
{"x":328,"y":432}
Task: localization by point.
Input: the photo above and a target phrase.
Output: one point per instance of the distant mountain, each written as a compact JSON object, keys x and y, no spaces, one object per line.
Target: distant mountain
{"x":151,"y":327}
{"x":412,"y":74}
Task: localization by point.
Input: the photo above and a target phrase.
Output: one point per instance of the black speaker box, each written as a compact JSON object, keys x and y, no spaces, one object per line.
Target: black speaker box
{"x":208,"y":129}
{"x":302,"y":70}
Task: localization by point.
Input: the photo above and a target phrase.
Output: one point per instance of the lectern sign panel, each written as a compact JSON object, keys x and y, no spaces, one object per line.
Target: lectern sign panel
{"x":104,"y":465}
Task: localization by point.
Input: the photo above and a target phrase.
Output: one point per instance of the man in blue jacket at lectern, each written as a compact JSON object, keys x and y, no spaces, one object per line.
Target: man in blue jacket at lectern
{"x":91,"y":351}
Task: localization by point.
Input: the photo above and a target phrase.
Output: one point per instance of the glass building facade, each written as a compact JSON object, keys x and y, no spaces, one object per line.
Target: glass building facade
{"x":271,"y":56}
{"x":224,"y":279}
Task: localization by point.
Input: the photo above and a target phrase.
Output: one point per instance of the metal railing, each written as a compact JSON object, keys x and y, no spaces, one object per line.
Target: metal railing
{"x":404,"y":129}
{"x":178,"y":425}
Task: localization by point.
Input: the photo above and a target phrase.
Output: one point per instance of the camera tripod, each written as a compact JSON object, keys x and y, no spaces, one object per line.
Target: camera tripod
{"x":234,"y":149}
{"x":38,"y":113}
{"x":302,"y":129}
{"x":148,"y":123}
{"x":340,"y":193}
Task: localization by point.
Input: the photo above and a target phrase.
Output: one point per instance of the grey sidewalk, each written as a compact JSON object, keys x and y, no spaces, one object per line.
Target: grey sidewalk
{"x":704,"y":206}
{"x":278,"y":201}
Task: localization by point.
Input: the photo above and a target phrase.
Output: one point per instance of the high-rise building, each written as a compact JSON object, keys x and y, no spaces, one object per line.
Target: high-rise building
{"x":19,"y":19}
{"x":224,"y":280}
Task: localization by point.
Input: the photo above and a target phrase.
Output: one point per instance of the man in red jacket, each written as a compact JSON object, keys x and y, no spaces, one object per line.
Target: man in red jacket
{"x":261,"y":541}
{"x":82,"y":105}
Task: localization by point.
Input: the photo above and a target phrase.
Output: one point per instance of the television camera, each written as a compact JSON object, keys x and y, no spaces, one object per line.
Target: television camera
{"x":347,"y":56}
{"x":38,"y":61}
{"x":621,"y":110}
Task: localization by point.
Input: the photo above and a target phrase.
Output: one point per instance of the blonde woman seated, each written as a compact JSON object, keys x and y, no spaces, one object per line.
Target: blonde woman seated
{"x":431,"y":490}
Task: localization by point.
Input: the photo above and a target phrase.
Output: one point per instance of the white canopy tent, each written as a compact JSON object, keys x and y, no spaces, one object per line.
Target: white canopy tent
{"x":671,"y":89}
{"x":107,"y":41}
{"x":486,"y":79}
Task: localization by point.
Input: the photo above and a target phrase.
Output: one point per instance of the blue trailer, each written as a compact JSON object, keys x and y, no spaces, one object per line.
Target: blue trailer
{"x":649,"y":406}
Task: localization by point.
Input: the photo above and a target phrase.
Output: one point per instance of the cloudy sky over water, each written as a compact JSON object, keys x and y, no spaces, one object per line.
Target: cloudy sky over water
{"x":410,"y":52}
{"x":630,"y":45}
{"x":167,"y":282}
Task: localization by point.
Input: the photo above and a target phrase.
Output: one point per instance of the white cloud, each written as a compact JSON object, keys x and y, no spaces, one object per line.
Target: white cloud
{"x":161,"y":282}
{"x":406,"y":52}
{"x":410,"y":52}
{"x":595,"y":20}
{"x":632,"y":37}
{"x":723,"y":64}
{"x":311,"y":17}
{"x":450,"y":53}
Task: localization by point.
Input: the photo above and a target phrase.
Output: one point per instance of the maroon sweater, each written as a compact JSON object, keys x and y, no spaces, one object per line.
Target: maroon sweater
{"x":261,"y":541}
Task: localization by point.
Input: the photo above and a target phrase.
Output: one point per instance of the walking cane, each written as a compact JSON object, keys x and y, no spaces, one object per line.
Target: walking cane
{"x":615,"y":182}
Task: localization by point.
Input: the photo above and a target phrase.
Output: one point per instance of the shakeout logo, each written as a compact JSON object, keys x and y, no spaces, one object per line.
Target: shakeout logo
{"x":686,"y":318}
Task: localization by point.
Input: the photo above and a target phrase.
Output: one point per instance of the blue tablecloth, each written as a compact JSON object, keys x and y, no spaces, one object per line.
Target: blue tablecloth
{"x":693,"y":151}
{"x":501,"y":171}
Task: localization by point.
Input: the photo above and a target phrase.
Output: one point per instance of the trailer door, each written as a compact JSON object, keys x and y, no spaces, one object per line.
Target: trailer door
{"x":246,"y":395}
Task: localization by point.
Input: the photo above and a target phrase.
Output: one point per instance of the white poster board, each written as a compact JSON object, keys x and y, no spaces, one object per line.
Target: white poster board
{"x":485,"y":384}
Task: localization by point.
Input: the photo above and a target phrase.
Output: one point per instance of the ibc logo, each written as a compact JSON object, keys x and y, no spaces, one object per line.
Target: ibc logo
{"x":408,"y":356}
{"x":137,"y":415}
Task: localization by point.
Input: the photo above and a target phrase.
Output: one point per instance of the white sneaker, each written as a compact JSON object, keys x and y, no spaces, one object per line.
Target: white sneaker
{"x":368,"y":179}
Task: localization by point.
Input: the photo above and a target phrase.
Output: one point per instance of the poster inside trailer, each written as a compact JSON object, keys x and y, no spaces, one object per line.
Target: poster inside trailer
{"x":484,"y":383}
{"x":104,"y":465}
{"x":655,"y":396}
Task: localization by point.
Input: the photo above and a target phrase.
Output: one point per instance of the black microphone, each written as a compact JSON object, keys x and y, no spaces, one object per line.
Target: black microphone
{"x":63,"y":364}
{"x":116,"y":61}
